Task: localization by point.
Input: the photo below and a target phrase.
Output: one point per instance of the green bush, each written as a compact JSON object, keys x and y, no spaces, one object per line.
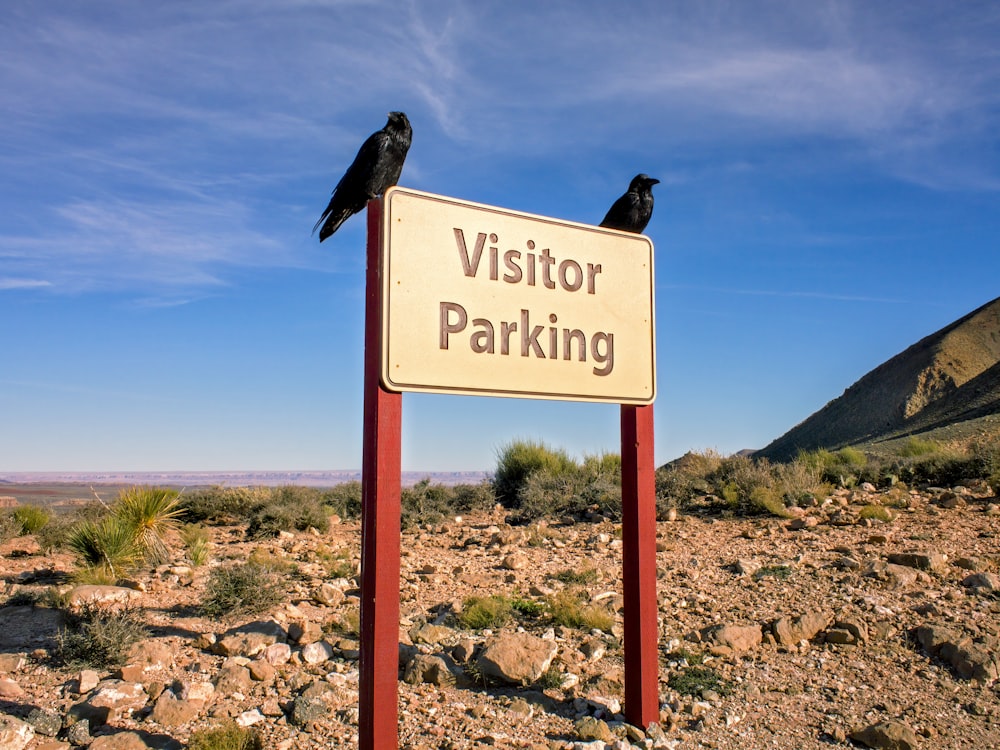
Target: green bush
{"x":222,"y":505}
{"x":473,"y":497}
{"x":571,"y":609}
{"x":480,"y":612}
{"x":694,"y":681}
{"x":241,"y":589}
{"x":580,"y":576}
{"x":32,"y":518}
{"x":876,"y":513}
{"x":197,"y":542}
{"x":10,"y":527}
{"x":229,"y":736}
{"x":289,"y":508}
{"x":518,"y":460}
{"x":344,"y":500}
{"x":915,"y":446}
{"x":593,"y":488}
{"x":424,"y":503}
{"x":100,"y":637}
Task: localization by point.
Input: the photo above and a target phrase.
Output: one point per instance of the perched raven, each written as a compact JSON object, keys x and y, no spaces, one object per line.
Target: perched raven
{"x":631,"y":212}
{"x":375,"y":169}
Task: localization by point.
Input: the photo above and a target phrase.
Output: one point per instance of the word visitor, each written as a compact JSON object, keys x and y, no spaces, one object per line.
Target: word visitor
{"x":533,"y":269}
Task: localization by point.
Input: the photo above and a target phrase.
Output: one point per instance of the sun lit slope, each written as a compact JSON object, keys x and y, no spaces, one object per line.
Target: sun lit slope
{"x":948,"y":383}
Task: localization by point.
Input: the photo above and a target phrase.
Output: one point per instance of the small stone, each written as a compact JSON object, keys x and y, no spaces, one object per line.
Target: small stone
{"x":589,"y":728}
{"x":10,"y":689}
{"x":317,"y":653}
{"x":515,"y":561}
{"x":79,"y":733}
{"x":886,"y":735}
{"x":45,"y":722}
{"x":88,"y":680}
{"x":329,"y":595}
{"x":307,"y":711}
{"x":277,"y":654}
{"x":14,"y":733}
{"x":249,"y":718}
{"x":173,"y":713}
{"x":261,"y":670}
{"x":982,"y":582}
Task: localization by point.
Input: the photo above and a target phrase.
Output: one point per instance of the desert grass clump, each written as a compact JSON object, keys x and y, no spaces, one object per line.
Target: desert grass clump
{"x":32,"y":518}
{"x":228,"y":736}
{"x":337,"y":563}
{"x":241,"y":589}
{"x":876,"y":513}
{"x":697,"y":680}
{"x":481,"y":612}
{"x":580,"y":576}
{"x":348,"y":622}
{"x":10,"y":527}
{"x":100,"y":637}
{"x":518,"y":460}
{"x":571,"y":609}
{"x":197,"y":544}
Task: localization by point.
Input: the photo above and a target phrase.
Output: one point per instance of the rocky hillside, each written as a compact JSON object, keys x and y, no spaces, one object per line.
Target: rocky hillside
{"x":948,"y":382}
{"x":867,"y":620}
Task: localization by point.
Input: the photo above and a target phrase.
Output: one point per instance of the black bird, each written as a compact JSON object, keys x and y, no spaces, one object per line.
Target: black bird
{"x":375,"y":169}
{"x":631,"y":212}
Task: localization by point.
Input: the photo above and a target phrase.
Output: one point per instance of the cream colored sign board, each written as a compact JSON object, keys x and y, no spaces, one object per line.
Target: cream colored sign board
{"x":482,"y":300}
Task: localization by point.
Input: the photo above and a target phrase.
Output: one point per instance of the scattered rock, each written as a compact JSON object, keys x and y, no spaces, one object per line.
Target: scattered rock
{"x":931,"y":561}
{"x":589,"y":728}
{"x":172,"y":712}
{"x":516,"y":658}
{"x":734,"y":639}
{"x":101,"y":596}
{"x":435,"y":669}
{"x":970,"y":660}
{"x":45,"y":722}
{"x":986,"y":581}
{"x":14,"y":733}
{"x":887,"y":735}
{"x":790,"y":631}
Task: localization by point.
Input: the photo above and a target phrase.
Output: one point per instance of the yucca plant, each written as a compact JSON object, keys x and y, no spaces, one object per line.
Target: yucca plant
{"x":151,"y":512}
{"x":109,"y":544}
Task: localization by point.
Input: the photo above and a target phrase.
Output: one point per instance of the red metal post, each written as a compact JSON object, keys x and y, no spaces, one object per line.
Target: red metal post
{"x":642,"y":706}
{"x":380,"y":524}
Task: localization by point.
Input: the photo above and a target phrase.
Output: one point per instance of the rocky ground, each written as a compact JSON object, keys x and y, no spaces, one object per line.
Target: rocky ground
{"x":826,"y":629}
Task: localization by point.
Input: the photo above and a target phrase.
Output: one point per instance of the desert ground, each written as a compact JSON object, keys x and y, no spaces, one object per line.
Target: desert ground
{"x":826,"y":629}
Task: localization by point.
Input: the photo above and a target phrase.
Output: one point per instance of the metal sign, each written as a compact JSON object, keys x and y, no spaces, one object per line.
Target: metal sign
{"x":483,"y":300}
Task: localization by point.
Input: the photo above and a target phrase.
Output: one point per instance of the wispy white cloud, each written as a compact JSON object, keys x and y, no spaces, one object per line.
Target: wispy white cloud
{"x":15,"y":283}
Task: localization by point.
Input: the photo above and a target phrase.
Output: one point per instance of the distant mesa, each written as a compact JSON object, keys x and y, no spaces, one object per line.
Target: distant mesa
{"x":945,"y":387}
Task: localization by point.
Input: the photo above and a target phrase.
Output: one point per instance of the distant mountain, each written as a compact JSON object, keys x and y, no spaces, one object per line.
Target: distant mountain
{"x":946,"y":386}
{"x":231,"y":478}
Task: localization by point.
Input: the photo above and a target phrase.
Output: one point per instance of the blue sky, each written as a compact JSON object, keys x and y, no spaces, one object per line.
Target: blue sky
{"x":830,"y":176}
